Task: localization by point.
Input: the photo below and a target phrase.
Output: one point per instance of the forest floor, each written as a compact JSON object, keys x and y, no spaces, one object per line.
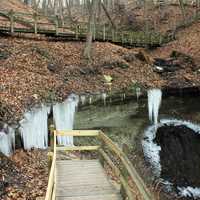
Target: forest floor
{"x":41,"y":71}
{"x":24,"y":175}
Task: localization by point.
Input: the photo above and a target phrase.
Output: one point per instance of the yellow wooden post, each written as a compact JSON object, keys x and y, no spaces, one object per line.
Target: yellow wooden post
{"x":35,"y":18}
{"x":104,"y":32}
{"x":11,"y":16}
{"x":50,"y":158}
{"x":113,"y":35}
{"x":52,"y":128}
{"x":57,"y":24}
{"x":77,"y":30}
{"x":122,"y":39}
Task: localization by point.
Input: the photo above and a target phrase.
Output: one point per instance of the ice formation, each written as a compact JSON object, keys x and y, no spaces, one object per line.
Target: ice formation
{"x":192,"y":192}
{"x":151,"y":150}
{"x":154,"y":101}
{"x":63,"y":114}
{"x":90,"y":100}
{"x":7,"y":140}
{"x":138,"y":92}
{"x":34,"y":128}
{"x":104,"y":96}
{"x":83,"y":99}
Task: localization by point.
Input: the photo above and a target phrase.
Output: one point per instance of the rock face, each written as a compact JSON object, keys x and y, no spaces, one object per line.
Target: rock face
{"x":179,"y":155}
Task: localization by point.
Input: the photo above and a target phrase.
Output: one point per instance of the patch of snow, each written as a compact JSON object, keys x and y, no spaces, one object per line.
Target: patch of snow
{"x":152,"y":150}
{"x":63,"y":114}
{"x":189,"y":191}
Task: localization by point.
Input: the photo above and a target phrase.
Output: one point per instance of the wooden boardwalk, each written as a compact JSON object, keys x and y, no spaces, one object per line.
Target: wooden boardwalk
{"x":25,"y":23}
{"x":86,"y":179}
{"x":83,"y":180}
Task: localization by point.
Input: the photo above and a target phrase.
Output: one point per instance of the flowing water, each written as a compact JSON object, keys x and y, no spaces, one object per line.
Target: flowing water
{"x":126,"y":123}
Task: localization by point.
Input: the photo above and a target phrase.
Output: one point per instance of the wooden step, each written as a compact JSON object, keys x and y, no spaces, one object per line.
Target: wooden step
{"x":83,"y":180}
{"x":93,"y":197}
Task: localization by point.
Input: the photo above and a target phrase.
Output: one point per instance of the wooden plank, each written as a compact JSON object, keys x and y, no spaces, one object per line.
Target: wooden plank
{"x":123,"y":181}
{"x":93,"y":197}
{"x":80,"y":182}
{"x":83,"y":179}
{"x":82,"y":173}
{"x":52,"y":176}
{"x":80,"y":133}
{"x":78,"y":148}
{"x":68,"y":192}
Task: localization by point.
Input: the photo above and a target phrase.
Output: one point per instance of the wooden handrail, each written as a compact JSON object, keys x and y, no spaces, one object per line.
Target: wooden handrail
{"x":114,"y":150}
{"x":128,"y":166}
{"x":103,"y":33}
{"x":50,"y":194}
{"x":78,"y":133}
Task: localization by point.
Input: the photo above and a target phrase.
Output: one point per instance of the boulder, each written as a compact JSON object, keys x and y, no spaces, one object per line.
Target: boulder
{"x":179,"y":155}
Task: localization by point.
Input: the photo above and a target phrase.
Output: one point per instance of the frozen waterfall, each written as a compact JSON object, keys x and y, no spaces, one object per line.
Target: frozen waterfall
{"x":7,"y":140}
{"x":34,"y":128}
{"x":154,"y":101}
{"x":63,"y":114}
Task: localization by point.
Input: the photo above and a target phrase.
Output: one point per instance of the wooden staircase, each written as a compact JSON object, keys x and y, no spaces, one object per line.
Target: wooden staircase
{"x":83,"y":179}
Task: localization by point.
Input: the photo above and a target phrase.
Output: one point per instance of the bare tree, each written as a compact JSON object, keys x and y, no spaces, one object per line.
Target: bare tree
{"x":91,"y":19}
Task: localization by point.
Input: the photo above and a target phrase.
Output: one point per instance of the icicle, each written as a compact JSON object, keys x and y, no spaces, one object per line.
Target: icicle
{"x":90,"y":100}
{"x":104,"y":96}
{"x":138,"y":92}
{"x":34,"y":128}
{"x":124,"y":96}
{"x":154,"y":101}
{"x":82,"y":98}
{"x":7,"y":140}
{"x":63,"y":114}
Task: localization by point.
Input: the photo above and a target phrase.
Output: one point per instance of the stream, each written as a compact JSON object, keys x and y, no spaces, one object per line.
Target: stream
{"x":128,"y":123}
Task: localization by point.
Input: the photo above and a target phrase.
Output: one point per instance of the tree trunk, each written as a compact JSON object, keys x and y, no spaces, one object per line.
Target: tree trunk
{"x":88,"y":46}
{"x":182,"y":9}
{"x":108,"y":15}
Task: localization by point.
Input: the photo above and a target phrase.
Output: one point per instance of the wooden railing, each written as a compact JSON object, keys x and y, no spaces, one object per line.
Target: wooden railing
{"x":51,"y":188}
{"x":109,"y":153}
{"x":53,"y":26}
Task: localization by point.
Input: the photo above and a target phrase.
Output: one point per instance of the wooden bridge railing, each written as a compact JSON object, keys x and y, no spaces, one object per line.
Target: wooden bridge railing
{"x":109,"y":153}
{"x":51,"y":188}
{"x":52,"y":25}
